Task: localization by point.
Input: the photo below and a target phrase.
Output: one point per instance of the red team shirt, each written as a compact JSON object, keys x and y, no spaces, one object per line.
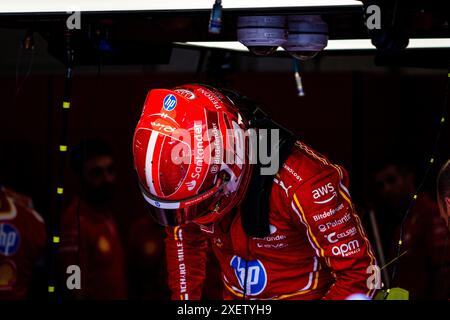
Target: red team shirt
{"x":101,"y":256}
{"x":22,"y":243}
{"x":317,"y":248}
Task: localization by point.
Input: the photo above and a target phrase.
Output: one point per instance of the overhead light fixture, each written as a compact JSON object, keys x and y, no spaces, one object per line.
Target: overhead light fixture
{"x":303,"y":36}
{"x":41,"y":6}
{"x":307,"y":36}
{"x":262,"y":35}
{"x":354,"y":44}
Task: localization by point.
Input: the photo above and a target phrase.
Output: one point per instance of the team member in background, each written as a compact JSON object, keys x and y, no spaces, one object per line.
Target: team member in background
{"x":89,"y":236}
{"x":424,"y":264}
{"x":290,"y":235}
{"x":22,"y":243}
{"x":145,"y":258}
{"x":443,"y":191}
{"x":148,"y":269}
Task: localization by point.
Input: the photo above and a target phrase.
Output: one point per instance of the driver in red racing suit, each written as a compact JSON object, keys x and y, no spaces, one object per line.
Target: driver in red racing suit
{"x":316,"y":249}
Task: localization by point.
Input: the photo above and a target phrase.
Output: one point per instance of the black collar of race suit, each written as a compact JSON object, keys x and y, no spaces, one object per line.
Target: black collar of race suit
{"x":255,"y":207}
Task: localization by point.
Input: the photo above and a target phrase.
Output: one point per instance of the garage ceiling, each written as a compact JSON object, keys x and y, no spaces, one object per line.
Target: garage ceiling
{"x":154,"y":25}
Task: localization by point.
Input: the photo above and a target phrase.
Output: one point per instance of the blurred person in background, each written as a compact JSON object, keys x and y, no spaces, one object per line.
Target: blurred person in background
{"x":146,"y":260}
{"x":22,"y":244}
{"x":423,"y":264}
{"x":89,"y":236}
{"x":148,"y":266}
{"x":443,"y":192}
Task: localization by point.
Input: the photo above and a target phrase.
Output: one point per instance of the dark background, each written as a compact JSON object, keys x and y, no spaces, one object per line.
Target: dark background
{"x":354,"y":112}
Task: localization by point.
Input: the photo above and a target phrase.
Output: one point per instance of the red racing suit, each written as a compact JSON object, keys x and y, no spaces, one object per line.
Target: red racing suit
{"x":22,"y":244}
{"x":317,"y":248}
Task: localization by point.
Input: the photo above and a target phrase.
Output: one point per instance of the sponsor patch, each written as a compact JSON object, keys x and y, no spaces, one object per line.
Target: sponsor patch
{"x":9,"y":239}
{"x":211,"y":97}
{"x":328,"y":213}
{"x":8,"y":274}
{"x":103,"y":245}
{"x":329,"y":225}
{"x":186,"y":93}
{"x":283,"y":186}
{"x":163,"y":127}
{"x":252,"y":271}
{"x":191,"y":185}
{"x":334,"y":237}
{"x":272,"y":245}
{"x":169,"y":102}
{"x":346,"y":249}
{"x":292,"y":172}
{"x":324,"y":193}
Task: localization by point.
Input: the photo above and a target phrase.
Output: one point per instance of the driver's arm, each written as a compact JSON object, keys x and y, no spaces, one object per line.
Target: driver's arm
{"x":186,"y":248}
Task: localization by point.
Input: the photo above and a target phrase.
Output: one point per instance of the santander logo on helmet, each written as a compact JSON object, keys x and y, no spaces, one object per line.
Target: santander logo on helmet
{"x":182,"y":146}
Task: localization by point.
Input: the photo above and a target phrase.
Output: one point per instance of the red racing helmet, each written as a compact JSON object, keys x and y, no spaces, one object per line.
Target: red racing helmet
{"x":190,"y":151}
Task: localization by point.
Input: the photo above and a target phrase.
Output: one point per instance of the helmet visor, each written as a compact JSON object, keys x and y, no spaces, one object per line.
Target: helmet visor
{"x":173,"y":213}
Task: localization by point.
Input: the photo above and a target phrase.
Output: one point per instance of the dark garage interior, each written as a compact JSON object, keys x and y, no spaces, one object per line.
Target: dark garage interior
{"x":362,"y":109}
